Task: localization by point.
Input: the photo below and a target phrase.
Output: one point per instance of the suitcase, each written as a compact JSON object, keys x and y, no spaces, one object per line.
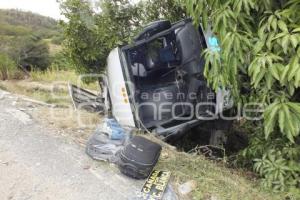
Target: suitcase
{"x":138,"y":157}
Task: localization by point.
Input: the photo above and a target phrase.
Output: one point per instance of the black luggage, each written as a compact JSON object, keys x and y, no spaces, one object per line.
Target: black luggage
{"x":139,"y":157}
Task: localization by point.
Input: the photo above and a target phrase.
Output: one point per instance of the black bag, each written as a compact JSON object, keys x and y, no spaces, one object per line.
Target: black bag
{"x":139,"y":157}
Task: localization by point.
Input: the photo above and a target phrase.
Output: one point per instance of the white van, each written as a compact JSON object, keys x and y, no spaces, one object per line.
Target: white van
{"x":156,"y":83}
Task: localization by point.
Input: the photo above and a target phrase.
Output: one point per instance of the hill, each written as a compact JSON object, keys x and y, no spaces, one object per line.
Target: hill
{"x":28,"y":39}
{"x":19,"y":23}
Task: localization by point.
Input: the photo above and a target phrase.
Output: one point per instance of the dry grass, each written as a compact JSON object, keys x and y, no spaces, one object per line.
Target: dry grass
{"x":68,"y":118}
{"x":51,"y":94}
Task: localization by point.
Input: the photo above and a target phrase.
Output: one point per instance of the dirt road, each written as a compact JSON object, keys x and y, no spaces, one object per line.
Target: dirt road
{"x":37,"y":164}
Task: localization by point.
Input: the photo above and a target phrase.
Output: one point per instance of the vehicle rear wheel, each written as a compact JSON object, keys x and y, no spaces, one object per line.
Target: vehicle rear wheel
{"x":218,"y":138}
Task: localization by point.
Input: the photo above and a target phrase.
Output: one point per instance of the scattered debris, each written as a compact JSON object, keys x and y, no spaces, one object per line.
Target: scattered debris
{"x":107,"y":140}
{"x":135,"y":157}
{"x":113,"y":129}
{"x":209,"y":151}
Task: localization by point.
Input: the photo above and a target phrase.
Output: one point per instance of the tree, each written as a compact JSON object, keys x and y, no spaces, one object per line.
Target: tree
{"x":260,"y":42}
{"x":33,"y":52}
{"x":91,"y":35}
{"x":152,"y":10}
{"x":27,"y":51}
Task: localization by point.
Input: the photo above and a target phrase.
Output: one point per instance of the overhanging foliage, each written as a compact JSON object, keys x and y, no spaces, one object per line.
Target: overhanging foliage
{"x":260,"y":42}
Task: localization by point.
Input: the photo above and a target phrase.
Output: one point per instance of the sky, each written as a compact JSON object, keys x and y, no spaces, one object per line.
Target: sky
{"x":48,"y":8}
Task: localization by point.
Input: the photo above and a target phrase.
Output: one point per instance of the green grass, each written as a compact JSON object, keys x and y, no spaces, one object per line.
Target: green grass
{"x":53,"y":75}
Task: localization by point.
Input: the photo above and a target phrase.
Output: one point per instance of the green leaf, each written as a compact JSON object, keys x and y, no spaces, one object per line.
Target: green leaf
{"x":270,"y":20}
{"x":285,"y":43}
{"x":282,"y":26}
{"x":297,"y":79}
{"x":275,"y":71}
{"x":269,"y":40}
{"x":296,"y":30}
{"x":296,"y":123}
{"x":259,"y":45}
{"x":261,"y":31}
{"x":294,"y":40}
{"x":295,"y":107}
{"x":269,"y":80}
{"x":284,"y":75}
{"x":274,"y":24}
{"x":270,"y":118}
{"x":290,"y":129}
{"x":293,"y":67}
{"x":237,"y":6}
{"x":291,"y":89}
{"x":281,"y":119}
{"x":259,"y":77}
{"x":280,"y":35}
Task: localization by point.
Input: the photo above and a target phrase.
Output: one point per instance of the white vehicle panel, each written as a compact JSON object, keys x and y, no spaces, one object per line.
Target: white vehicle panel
{"x":121,"y":108}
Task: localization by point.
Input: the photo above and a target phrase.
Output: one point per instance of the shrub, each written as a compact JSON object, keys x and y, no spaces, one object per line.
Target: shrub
{"x":7,"y":67}
{"x":60,"y":61}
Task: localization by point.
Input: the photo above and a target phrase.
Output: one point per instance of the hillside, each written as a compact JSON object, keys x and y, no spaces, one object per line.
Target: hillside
{"x":28,"y":39}
{"x":18,"y":23}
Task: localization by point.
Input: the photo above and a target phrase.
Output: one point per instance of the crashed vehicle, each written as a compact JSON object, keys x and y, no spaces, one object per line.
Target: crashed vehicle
{"x":156,"y":83}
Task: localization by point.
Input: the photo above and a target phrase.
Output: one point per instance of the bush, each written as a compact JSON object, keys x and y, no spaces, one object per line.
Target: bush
{"x":60,"y":61}
{"x":34,"y":52}
{"x":58,"y":39}
{"x":7,"y":67}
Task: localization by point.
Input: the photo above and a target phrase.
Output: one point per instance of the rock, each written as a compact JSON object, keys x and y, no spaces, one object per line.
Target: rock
{"x":164,"y":155}
{"x":187,"y":187}
{"x":213,"y":198}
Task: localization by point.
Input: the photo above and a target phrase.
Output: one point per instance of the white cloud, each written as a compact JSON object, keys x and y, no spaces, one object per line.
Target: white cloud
{"x":44,"y":7}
